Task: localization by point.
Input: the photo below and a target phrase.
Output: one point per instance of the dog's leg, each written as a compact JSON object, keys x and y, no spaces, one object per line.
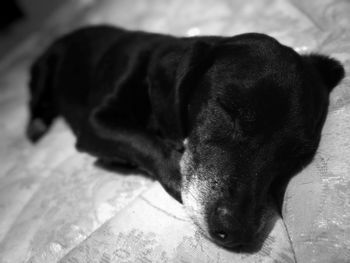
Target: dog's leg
{"x":134,"y":149}
{"x":107,"y":152}
{"x":43,"y":108}
{"x":150,"y":154}
{"x":157,"y":158}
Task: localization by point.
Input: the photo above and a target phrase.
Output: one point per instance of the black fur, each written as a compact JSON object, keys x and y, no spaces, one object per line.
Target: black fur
{"x":251,"y":108}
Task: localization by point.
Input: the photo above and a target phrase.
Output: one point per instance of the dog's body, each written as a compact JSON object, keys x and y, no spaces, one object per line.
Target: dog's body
{"x":219,"y":121}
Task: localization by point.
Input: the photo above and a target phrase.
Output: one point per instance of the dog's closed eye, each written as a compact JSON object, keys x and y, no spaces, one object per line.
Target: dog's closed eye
{"x":235,"y":126}
{"x":236,"y":129}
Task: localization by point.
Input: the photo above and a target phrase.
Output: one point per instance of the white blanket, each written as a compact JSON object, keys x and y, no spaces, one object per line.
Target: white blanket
{"x":55,"y":205}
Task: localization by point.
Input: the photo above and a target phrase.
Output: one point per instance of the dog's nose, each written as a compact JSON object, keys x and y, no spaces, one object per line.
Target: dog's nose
{"x":226,"y":229}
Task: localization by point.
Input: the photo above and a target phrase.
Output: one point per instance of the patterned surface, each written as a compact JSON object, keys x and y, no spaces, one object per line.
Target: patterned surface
{"x":55,"y":205}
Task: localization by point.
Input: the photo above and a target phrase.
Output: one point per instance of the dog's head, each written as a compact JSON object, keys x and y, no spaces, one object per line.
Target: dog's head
{"x":254,"y":118}
{"x":251,"y":112}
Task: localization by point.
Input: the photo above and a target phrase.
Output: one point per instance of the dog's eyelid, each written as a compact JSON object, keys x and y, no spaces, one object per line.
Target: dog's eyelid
{"x":230,"y":112}
{"x":228,"y":109}
{"x":236,"y":128}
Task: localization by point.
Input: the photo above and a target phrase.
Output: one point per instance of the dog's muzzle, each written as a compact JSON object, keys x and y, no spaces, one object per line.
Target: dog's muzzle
{"x":216,"y":218}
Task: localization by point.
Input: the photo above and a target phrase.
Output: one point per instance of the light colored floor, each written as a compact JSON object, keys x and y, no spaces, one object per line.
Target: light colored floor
{"x":55,"y":205}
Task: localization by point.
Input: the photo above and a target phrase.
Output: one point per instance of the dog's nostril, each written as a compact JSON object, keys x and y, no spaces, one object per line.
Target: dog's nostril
{"x":221,"y":235}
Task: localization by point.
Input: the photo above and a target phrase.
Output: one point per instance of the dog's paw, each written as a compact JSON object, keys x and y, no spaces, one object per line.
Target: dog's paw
{"x":36,"y":129}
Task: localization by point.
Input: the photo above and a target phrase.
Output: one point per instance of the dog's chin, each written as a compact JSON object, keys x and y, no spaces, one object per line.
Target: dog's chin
{"x":194,"y":205}
{"x":192,"y":196}
{"x":195,"y":209}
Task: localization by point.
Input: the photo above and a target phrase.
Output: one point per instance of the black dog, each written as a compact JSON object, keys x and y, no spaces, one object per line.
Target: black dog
{"x":220,"y":122}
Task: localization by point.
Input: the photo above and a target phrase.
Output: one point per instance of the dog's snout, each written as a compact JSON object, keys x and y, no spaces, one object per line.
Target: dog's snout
{"x":226,"y":229}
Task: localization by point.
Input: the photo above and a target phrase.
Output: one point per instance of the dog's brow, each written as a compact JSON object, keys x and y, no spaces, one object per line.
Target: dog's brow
{"x":229,"y":112}
{"x":234,"y":117}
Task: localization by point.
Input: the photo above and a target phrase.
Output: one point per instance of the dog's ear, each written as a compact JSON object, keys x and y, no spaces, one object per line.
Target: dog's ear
{"x":125,"y":101}
{"x":172,"y":79}
{"x":330,"y":69}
